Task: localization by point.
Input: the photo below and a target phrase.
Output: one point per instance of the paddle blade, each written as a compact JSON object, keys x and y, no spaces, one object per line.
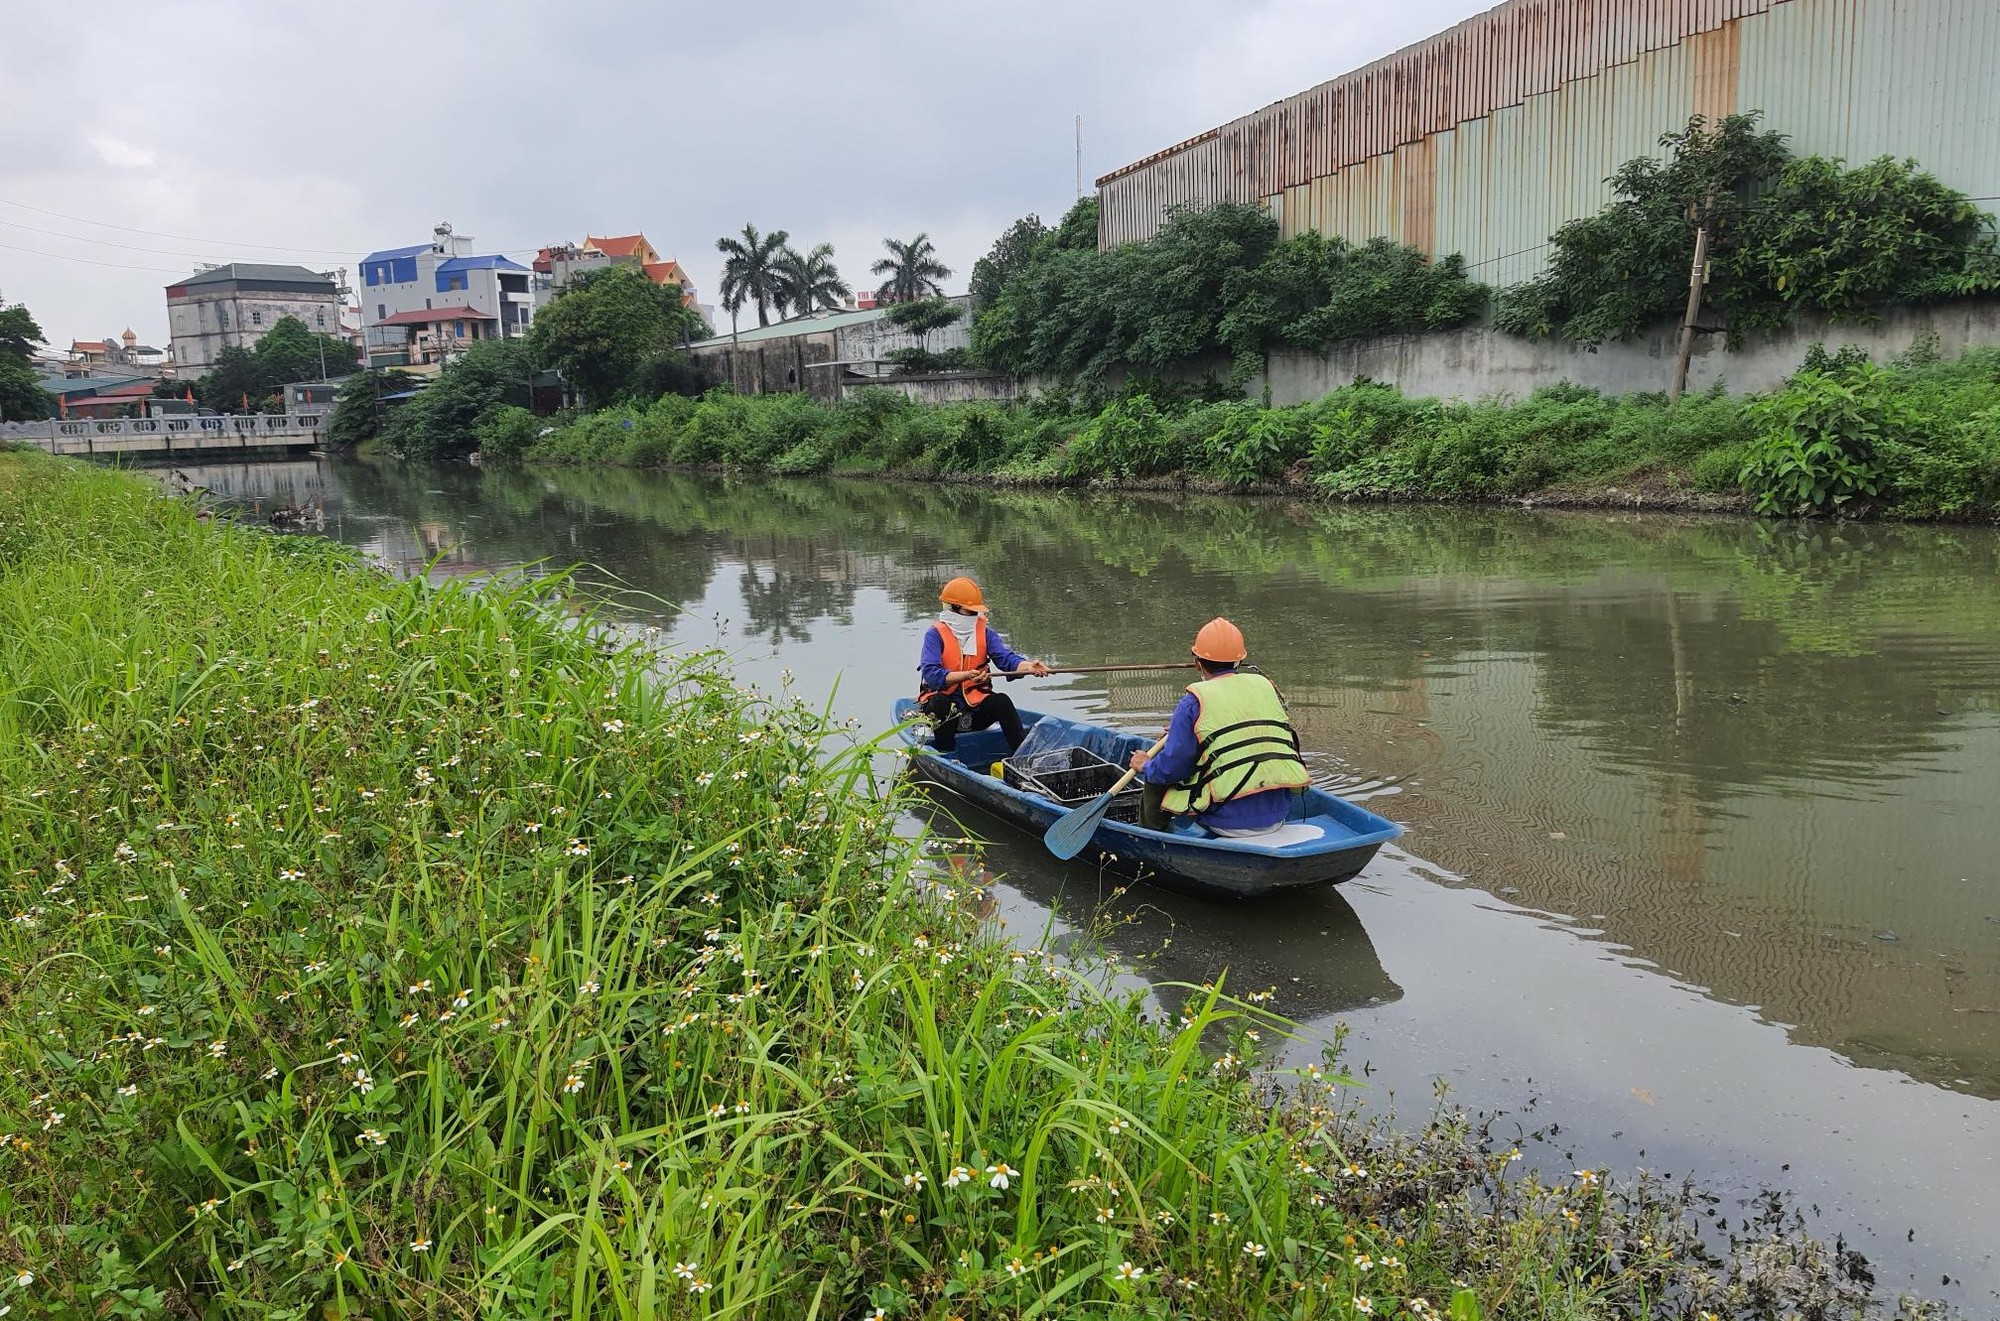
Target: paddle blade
{"x":1073,"y":830}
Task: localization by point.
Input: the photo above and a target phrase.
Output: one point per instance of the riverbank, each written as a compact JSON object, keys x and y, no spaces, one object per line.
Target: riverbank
{"x":1918,"y":439}
{"x":381,"y":949}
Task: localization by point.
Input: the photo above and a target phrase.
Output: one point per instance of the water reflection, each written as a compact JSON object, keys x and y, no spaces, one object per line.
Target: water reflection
{"x":1311,"y":953}
{"x":1757,"y":756}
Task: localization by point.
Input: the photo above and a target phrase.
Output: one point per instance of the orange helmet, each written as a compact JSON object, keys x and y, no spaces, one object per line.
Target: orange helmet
{"x":963,"y":591}
{"x":1220,"y":641}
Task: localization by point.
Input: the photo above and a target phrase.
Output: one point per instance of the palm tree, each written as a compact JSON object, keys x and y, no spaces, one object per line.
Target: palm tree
{"x":750,"y":271}
{"x":810,"y":281}
{"x":913,"y":270}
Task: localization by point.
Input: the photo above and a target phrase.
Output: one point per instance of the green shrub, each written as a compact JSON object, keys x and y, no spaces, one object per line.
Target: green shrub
{"x":1721,"y":469}
{"x":507,"y":433}
{"x":1817,"y":442}
{"x":1128,"y":439}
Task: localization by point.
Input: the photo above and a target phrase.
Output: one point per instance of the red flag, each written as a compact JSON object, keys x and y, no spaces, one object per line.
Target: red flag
{"x":246,"y":401}
{"x":62,"y":404}
{"x":190,"y":394}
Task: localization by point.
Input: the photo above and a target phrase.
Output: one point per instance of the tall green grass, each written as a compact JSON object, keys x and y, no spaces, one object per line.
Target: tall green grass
{"x":1938,"y":456}
{"x":375,"y":949}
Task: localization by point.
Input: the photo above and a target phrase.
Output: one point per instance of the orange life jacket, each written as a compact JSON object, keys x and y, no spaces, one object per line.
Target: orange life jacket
{"x":954,"y":659}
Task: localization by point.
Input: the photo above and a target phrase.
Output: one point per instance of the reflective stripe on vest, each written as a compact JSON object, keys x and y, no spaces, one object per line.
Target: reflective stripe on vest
{"x":1244,"y":745}
{"x":954,"y":659}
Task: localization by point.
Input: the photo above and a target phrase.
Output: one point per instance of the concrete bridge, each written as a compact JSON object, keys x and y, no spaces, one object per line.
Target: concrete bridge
{"x":192,"y":437}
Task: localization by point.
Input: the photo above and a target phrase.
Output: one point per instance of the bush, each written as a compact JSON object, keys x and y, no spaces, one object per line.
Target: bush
{"x":1128,"y":439}
{"x":1816,"y":447}
{"x":507,"y":433}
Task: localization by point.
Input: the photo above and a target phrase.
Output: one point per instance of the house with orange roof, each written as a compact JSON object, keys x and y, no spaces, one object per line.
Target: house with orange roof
{"x":565,"y":262}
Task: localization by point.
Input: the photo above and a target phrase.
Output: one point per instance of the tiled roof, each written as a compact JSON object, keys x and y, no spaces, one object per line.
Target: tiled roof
{"x":492,"y":261}
{"x":390,"y":254}
{"x":815,"y":324}
{"x":254,"y":270}
{"x":431,"y":316}
{"x":624,"y":246}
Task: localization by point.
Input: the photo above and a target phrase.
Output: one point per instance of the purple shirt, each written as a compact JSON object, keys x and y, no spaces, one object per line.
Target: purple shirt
{"x":930,"y":661}
{"x":1175,"y":762}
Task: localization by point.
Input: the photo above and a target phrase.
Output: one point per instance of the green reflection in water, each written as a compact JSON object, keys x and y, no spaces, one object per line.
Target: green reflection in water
{"x":1760,"y":756}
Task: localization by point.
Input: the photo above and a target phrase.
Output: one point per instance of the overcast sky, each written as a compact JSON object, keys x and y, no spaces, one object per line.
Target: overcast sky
{"x":274,"y":130}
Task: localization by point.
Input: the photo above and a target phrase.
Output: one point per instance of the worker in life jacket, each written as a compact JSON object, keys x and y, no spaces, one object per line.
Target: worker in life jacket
{"x":955,"y":670}
{"x":1231,"y":759}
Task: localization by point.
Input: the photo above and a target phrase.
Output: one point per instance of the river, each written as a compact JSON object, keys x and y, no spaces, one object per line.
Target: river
{"x":1701,"y":871}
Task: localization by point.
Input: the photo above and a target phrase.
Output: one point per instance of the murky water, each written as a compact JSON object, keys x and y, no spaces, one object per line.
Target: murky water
{"x":1702,"y":815}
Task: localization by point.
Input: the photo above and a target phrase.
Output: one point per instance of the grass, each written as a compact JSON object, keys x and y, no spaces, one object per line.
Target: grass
{"x":377,"y":950}
{"x":1935,"y":451}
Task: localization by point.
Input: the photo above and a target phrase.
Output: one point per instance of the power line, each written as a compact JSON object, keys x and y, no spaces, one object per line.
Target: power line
{"x":1505,"y":256}
{"x":161,"y":234}
{"x":212,"y":243}
{"x":106,"y":243}
{"x":91,"y":261}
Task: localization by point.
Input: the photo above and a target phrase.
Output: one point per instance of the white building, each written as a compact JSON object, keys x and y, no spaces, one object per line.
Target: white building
{"x":232,"y":306}
{"x":423,"y":303}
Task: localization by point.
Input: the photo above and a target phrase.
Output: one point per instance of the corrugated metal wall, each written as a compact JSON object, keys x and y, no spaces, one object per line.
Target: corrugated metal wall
{"x":1484,"y":139}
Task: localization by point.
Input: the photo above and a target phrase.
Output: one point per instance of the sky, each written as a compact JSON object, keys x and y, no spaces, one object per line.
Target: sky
{"x":185,"y":131}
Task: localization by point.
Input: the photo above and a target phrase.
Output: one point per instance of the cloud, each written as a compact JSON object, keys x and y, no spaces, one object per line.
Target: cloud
{"x":121,"y":155}
{"x":318,"y":133}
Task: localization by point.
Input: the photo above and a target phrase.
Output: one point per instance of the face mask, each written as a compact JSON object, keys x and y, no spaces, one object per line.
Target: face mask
{"x":962,"y":627}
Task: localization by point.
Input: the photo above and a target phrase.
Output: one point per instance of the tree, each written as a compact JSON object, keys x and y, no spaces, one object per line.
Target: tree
{"x":810,"y":281}
{"x":442,"y":421}
{"x":358,"y":409}
{"x":603,"y":331}
{"x":237,"y":383}
{"x":750,"y":270}
{"x":22,"y":398}
{"x":925,"y":315}
{"x":913,"y":270}
{"x":1012,"y":253}
{"x":1216,"y":283}
{"x":19,"y":335}
{"x":289,"y":352}
{"x":1615,"y":273}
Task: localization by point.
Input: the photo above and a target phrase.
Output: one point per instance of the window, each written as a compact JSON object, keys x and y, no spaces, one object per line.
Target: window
{"x":319,"y":317}
{"x":256,"y":318}
{"x":458,"y":328}
{"x":224,"y":310}
{"x":381,"y":311}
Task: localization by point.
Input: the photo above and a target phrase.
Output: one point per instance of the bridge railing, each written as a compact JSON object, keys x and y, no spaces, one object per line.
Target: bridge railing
{"x":167,"y":435}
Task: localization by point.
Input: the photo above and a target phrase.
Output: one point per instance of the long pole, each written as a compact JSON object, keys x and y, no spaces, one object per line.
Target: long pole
{"x":1104,"y":669}
{"x":1079,"y":155}
{"x":1697,"y":282}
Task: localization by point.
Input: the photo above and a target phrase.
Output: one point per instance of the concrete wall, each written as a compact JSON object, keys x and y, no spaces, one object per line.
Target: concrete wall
{"x":779,"y":365}
{"x":872,"y":341}
{"x":1480,"y":362}
{"x":204,"y":324}
{"x":950,"y":387}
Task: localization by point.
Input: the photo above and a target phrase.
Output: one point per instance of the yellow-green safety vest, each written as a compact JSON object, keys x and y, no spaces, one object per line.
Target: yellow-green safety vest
{"x":1244,"y":745}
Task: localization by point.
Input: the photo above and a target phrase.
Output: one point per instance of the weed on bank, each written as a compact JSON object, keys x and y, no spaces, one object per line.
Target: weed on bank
{"x":374,"y":949}
{"x":1918,"y":438}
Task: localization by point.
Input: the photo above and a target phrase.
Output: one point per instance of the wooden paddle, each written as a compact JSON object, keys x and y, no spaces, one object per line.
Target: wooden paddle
{"x":1069,"y":834}
{"x":1094,"y":669}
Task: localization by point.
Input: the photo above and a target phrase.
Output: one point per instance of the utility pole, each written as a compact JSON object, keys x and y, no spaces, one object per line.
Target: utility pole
{"x":1079,"y":157}
{"x":1697,"y":284}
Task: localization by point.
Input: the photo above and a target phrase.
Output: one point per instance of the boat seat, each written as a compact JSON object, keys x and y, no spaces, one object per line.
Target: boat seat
{"x":1292,"y":832}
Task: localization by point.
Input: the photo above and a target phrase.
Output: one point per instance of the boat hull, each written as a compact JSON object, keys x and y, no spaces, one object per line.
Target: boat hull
{"x":1217,"y":868}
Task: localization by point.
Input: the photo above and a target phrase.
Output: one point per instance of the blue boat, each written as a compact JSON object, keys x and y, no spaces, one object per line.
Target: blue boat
{"x":1327,"y":840}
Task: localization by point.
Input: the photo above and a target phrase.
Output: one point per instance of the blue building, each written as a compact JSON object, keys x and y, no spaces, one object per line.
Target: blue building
{"x":423,"y":304}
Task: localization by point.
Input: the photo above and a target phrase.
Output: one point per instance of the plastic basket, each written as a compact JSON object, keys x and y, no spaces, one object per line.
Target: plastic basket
{"x":1066,"y":775}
